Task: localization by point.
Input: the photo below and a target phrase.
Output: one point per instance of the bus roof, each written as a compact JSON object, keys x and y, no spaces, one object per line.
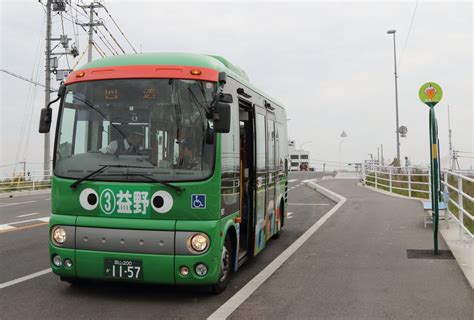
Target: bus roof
{"x":179,"y":59}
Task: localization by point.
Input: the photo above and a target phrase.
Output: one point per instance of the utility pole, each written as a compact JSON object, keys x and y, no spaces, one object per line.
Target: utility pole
{"x":396,"y":92}
{"x":92,"y":23}
{"x":381,"y":154}
{"x":47,"y":90}
{"x":451,"y":156}
{"x":51,"y":66}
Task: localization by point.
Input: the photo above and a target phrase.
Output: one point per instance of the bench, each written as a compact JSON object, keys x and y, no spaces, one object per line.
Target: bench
{"x":429,"y":211}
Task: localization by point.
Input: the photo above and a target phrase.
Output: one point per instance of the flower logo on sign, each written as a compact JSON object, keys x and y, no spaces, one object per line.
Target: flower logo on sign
{"x":430,"y":92}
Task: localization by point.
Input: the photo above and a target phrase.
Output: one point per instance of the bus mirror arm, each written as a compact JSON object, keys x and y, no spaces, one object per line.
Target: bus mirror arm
{"x":46,"y":116}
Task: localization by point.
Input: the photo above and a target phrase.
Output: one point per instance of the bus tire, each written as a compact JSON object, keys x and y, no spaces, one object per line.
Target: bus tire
{"x":226,"y":267}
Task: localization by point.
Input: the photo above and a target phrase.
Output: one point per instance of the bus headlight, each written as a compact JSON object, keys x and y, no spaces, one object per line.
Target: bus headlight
{"x":199,"y":242}
{"x":58,"y":235}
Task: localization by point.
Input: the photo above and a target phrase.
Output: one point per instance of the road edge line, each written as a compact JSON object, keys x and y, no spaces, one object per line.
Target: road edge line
{"x":240,"y":296}
{"x":25,"y":278}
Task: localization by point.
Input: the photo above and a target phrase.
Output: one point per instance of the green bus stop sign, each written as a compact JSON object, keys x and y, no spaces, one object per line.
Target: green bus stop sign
{"x":430,"y":94}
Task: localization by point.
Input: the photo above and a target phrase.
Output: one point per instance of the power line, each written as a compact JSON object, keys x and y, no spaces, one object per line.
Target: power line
{"x":113,"y":20}
{"x":26,"y":79}
{"x":99,"y":50}
{"x":408,"y":34}
{"x":106,"y":42}
{"x":110,"y":34}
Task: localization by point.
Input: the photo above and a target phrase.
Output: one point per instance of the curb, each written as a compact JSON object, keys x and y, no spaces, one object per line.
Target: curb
{"x":325,"y":192}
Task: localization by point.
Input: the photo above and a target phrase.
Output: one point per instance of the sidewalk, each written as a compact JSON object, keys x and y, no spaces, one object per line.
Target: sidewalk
{"x":356,"y":267}
{"x":463,"y":249}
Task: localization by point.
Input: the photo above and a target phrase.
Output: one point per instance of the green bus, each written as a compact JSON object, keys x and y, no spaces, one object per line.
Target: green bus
{"x":168,"y":168}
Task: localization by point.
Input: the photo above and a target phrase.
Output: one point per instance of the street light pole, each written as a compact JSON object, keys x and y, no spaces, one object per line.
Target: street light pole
{"x":396,"y":92}
{"x":343,"y":137}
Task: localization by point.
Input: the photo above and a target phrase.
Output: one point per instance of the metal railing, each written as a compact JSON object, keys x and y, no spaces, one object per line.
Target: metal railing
{"x":415,"y":182}
{"x":25,"y":181}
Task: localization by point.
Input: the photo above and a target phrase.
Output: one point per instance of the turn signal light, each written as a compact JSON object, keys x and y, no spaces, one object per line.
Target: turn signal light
{"x":80,"y":74}
{"x":195,"y":72}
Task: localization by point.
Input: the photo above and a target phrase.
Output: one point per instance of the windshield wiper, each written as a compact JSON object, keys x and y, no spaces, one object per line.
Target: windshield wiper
{"x":74,"y":185}
{"x":176,"y":188}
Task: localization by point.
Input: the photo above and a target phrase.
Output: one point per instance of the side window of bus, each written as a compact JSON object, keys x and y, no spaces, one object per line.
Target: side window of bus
{"x":271,"y":144}
{"x":82,"y":131}
{"x":67,"y":134}
{"x":261,"y":159}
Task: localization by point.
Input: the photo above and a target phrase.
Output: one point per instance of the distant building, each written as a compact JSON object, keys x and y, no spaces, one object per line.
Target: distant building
{"x":299,"y":158}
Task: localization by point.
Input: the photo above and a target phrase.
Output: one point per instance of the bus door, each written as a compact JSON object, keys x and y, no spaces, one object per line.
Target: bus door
{"x":260,"y":179}
{"x":247,"y":176}
{"x":272,"y":178}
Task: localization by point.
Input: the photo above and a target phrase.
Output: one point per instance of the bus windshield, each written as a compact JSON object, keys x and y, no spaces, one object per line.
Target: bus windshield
{"x":142,"y":129}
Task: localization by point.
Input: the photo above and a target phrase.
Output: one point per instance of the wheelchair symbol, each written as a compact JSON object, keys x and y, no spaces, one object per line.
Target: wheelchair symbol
{"x":198,"y":201}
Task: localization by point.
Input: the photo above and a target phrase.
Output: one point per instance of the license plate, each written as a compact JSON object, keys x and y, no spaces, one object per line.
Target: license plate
{"x":123,"y":269}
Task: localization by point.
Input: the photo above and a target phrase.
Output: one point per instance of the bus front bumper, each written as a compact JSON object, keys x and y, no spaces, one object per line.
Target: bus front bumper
{"x":161,"y":255}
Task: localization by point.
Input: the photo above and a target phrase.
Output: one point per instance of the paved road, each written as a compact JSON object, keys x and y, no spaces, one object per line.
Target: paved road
{"x":23,"y":251}
{"x":356,"y":267}
{"x":17,"y":209}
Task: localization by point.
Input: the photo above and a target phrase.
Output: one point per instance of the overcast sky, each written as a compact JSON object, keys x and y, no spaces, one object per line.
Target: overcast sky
{"x":330,"y":64}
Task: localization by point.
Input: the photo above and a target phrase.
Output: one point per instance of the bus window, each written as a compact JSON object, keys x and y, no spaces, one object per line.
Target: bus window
{"x":261,"y":184}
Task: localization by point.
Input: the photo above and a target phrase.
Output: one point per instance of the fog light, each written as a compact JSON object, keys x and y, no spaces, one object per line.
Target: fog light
{"x":58,"y":235}
{"x":68,"y":263}
{"x":57,"y":261}
{"x":201,"y":269}
{"x":184,"y":271}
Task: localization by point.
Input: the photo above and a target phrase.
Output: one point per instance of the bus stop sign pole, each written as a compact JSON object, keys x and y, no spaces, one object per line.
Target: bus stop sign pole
{"x":430,"y":94}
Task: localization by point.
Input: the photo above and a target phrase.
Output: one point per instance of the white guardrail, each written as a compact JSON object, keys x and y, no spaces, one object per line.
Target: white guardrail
{"x":25,"y":181}
{"x":457,"y":189}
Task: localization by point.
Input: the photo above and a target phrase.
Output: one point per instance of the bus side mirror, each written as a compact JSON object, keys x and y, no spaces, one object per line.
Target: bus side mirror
{"x":46,"y":118}
{"x":222,"y":117}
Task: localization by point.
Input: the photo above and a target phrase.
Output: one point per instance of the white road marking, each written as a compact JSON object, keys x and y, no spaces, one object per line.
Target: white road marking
{"x":237,"y":299}
{"x":47,"y":199}
{"x":29,"y":220}
{"x":27,"y":215}
{"x":8,"y":226}
{"x":292,"y":180}
{"x":291,"y":217}
{"x":308,"y":204}
{"x":4,"y":227}
{"x":15,"y":203}
{"x":25,"y":278}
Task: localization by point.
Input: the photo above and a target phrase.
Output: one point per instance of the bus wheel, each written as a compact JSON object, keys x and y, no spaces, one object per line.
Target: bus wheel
{"x":226,"y":267}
